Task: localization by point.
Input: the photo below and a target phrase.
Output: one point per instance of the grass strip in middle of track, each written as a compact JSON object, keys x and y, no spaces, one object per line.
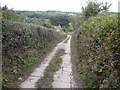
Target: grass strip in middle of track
{"x":66,"y":41}
{"x":54,"y":65}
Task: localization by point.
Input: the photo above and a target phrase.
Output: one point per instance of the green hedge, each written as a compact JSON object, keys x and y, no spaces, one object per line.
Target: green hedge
{"x":23,"y":45}
{"x":98,"y":44}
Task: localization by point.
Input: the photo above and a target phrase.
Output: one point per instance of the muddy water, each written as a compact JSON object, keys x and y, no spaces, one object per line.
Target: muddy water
{"x":64,"y":77}
{"x":30,"y":82}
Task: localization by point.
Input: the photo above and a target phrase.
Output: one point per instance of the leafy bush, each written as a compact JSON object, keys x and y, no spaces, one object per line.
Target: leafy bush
{"x":23,"y":45}
{"x":98,"y":45}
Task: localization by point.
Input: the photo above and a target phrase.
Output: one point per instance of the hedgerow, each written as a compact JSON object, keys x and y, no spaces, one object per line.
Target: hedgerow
{"x":98,"y":45}
{"x":23,"y":45}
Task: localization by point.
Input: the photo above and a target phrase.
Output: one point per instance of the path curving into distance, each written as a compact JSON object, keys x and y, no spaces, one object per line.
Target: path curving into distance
{"x":63,"y":78}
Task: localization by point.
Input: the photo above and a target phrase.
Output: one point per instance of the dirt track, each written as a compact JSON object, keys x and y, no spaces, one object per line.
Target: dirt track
{"x":63,"y":78}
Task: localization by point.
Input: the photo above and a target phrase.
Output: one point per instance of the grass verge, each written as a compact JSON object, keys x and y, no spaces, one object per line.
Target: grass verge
{"x":54,"y":65}
{"x":74,"y":58}
{"x":66,"y":41}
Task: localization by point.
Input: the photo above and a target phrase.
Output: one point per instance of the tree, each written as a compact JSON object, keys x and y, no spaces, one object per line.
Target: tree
{"x":94,"y":8}
{"x":62,"y":20}
{"x":5,"y":7}
{"x":105,"y":7}
{"x":7,"y":13}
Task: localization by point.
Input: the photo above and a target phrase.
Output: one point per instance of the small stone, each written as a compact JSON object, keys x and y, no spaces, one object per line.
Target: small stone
{"x":20,"y":79}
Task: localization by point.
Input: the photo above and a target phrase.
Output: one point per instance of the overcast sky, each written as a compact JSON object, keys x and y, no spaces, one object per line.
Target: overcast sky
{"x":62,"y":5}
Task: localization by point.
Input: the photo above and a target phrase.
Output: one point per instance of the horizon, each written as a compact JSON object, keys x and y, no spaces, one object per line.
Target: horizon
{"x":48,"y":10}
